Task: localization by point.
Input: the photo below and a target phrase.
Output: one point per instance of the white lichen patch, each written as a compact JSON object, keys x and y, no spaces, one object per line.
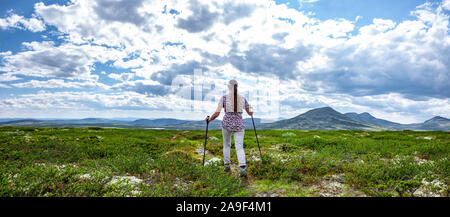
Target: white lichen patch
{"x":14,"y":133}
{"x":27,"y":138}
{"x":283,"y":157}
{"x":338,"y":177}
{"x":330,"y":188}
{"x":124,"y":180}
{"x":58,"y":167}
{"x":125,"y":186}
{"x":182,"y":184}
{"x":85,"y":176}
{"x":134,"y":193}
{"x":397,"y":160}
{"x":215,"y":161}
{"x":150,"y":161}
{"x":363,"y":134}
{"x":101,"y":175}
{"x":435,"y":188}
{"x":11,"y":177}
{"x":255,"y":158}
{"x":41,"y":164}
{"x":316,"y":136}
{"x":421,"y":161}
{"x":426,"y":137}
{"x":213,"y":138}
{"x":333,"y":186}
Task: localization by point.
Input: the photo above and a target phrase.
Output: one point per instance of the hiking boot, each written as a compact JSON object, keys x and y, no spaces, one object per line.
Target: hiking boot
{"x":243,"y":171}
{"x":227,"y":168}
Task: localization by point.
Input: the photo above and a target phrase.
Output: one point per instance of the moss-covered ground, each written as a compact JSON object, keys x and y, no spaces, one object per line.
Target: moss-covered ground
{"x":164,"y":163}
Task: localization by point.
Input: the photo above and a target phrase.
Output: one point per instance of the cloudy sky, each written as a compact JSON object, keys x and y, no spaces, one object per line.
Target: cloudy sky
{"x":133,"y":58}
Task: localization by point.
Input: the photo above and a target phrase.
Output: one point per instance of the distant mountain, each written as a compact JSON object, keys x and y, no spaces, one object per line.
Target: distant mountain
{"x":438,"y":120}
{"x":9,"y":119}
{"x":248,"y":121}
{"x":85,"y":121}
{"x":95,"y":120}
{"x":21,"y":122}
{"x":88,"y":121}
{"x":436,"y":123}
{"x":195,"y":125}
{"x":321,"y":119}
{"x":214,"y":125}
{"x":68,"y":123}
{"x":316,"y":119}
{"x":368,"y":118}
{"x":157,"y":122}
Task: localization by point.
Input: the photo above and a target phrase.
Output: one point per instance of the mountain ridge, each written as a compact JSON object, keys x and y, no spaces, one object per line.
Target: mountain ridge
{"x":325,"y":118}
{"x":368,"y":118}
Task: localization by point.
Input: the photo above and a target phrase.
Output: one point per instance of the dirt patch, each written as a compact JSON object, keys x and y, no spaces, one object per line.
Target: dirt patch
{"x":333,"y":186}
{"x":199,"y":151}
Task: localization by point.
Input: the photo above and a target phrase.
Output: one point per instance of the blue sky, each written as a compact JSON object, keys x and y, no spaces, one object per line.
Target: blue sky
{"x":368,"y":9}
{"x":103,"y":58}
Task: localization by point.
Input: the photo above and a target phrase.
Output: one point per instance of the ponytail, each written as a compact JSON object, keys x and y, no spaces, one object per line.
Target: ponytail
{"x":235,"y":98}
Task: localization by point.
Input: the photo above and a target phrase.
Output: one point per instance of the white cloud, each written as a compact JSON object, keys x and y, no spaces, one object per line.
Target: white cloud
{"x":303,"y":2}
{"x":4,"y":86}
{"x":379,"y":26}
{"x":8,"y":77}
{"x":83,"y":100}
{"x":60,"y":83}
{"x":307,"y":1}
{"x":32,"y":24}
{"x":410,"y":58}
{"x":446,"y":4}
{"x":100,"y":26}
{"x":334,"y":28}
{"x":147,"y":87}
{"x":44,"y":59}
{"x":329,"y":62}
{"x":122,"y":76}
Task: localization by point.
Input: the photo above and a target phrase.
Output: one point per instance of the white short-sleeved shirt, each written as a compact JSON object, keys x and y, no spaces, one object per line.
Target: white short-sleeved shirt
{"x":242,"y":104}
{"x":232,"y":121}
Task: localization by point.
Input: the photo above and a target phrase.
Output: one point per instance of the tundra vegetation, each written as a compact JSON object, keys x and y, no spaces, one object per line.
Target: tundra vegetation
{"x":97,"y":161}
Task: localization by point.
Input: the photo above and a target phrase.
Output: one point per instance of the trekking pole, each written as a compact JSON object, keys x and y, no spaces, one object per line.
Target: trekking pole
{"x":254,"y":128}
{"x":206,"y":137}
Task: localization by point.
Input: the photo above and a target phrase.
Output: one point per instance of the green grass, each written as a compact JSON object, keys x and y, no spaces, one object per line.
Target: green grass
{"x":129,"y":162}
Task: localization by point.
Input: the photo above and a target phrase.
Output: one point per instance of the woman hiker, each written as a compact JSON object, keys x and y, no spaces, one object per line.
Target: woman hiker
{"x":232,"y":122}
